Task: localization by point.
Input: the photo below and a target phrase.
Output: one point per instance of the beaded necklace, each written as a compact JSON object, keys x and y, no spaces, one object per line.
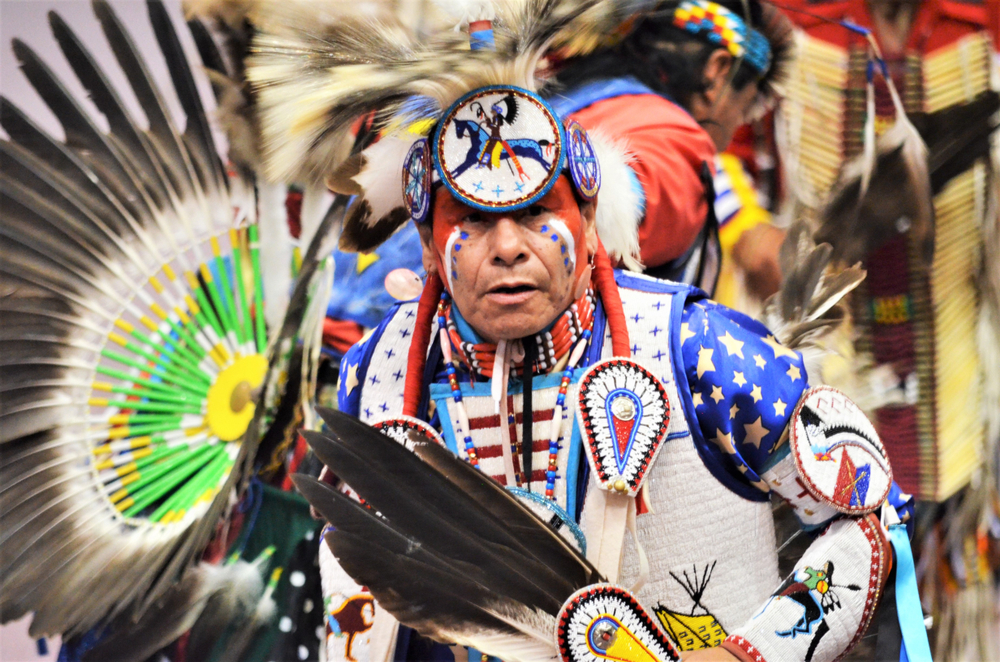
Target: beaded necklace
{"x":463,"y":417}
{"x":553,"y":344}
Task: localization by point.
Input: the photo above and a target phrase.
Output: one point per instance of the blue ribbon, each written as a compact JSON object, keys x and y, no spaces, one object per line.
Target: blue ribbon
{"x":482,"y":40}
{"x":916,"y":647}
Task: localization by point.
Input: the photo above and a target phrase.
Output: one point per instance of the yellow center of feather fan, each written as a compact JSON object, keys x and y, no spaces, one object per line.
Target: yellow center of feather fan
{"x":230,"y":401}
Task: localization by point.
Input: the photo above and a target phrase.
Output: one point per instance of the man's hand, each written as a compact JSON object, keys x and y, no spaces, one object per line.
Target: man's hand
{"x":717,"y":654}
{"x":756,"y":253}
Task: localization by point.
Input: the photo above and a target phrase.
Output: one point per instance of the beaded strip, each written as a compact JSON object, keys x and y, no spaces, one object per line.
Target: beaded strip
{"x":456,"y":392}
{"x":567,"y":376}
{"x":463,"y":416}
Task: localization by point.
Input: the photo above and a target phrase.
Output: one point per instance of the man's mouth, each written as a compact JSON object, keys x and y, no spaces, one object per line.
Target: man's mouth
{"x":511,"y":294}
{"x":511,"y":289}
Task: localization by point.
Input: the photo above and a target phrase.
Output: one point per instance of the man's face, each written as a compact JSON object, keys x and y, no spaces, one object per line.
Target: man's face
{"x":730,"y":112}
{"x":720,"y":109}
{"x":511,"y":274}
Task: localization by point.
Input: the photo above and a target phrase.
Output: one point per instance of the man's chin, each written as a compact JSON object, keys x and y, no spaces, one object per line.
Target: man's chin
{"x":511,"y":322}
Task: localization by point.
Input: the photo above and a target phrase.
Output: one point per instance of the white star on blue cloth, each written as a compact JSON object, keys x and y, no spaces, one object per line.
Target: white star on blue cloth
{"x":742,"y":380}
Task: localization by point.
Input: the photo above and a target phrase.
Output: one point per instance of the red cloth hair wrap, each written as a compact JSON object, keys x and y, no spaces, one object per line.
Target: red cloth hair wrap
{"x":417,"y":358}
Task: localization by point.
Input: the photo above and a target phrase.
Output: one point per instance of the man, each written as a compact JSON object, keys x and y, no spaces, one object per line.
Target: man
{"x":646,"y":423}
{"x":674,"y":92}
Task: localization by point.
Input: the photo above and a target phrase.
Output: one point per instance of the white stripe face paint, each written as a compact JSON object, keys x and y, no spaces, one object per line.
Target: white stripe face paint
{"x":449,"y":266}
{"x":567,"y":237}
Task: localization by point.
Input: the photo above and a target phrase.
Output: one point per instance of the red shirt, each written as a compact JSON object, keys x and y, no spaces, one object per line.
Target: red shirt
{"x":669,"y":149}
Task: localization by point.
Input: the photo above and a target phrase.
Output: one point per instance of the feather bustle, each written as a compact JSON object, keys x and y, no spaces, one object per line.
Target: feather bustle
{"x":87,"y":223}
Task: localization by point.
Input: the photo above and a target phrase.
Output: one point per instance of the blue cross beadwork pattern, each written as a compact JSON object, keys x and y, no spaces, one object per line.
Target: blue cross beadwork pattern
{"x":417,"y":181}
{"x":583,"y":164}
{"x":498,"y":148}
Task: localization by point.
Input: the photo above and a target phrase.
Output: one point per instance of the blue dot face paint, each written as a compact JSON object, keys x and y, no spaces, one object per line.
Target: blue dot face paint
{"x":451,"y":259}
{"x":464,"y":237}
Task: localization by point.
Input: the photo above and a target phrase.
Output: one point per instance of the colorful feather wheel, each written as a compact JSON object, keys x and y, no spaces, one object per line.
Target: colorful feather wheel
{"x":180,"y":385}
{"x":133,"y":338}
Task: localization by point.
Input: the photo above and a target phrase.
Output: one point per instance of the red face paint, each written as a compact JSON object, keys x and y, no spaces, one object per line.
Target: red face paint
{"x":512,"y":273}
{"x":449,"y":214}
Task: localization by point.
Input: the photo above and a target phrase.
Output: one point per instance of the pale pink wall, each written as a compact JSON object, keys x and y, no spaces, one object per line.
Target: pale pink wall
{"x":17,"y":646}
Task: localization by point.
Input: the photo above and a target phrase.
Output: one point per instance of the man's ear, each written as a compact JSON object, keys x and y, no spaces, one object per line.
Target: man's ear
{"x":588,"y":214}
{"x":716,"y":74}
{"x":428,"y":250}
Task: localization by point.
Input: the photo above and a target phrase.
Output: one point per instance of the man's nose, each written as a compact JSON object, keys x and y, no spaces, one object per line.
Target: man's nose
{"x":508,"y":241}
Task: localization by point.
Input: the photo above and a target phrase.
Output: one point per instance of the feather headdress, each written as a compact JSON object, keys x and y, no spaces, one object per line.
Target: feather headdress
{"x":315,"y":79}
{"x":133,"y":337}
{"x":324,"y":84}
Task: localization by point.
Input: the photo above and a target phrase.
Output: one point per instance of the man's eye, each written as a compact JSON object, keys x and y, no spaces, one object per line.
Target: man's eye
{"x":474,"y":217}
{"x":536,"y":210}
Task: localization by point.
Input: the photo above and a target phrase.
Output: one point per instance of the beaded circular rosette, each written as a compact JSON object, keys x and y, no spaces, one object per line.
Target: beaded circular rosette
{"x":604,"y":622}
{"x":624,"y":413}
{"x":838,"y":452}
{"x":417,"y":181}
{"x":401,"y":427}
{"x":499,"y":148}
{"x":583,"y":164}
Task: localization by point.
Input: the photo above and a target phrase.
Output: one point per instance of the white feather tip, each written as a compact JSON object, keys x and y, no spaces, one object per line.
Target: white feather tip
{"x":619,"y":202}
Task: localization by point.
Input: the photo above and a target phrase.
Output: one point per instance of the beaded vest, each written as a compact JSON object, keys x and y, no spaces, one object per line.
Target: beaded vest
{"x":696,"y":524}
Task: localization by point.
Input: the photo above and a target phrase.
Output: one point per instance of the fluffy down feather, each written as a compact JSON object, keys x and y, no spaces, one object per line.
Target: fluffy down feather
{"x":378,"y":179}
{"x":619,"y":206}
{"x":807,"y":307}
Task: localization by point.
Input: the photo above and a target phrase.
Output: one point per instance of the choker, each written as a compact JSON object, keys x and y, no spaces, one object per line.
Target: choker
{"x":554,"y":344}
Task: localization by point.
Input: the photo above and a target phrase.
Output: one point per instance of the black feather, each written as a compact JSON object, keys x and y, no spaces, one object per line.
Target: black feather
{"x":397,"y":491}
{"x":362,"y":234}
{"x":161,"y":127}
{"x":957,"y":136}
{"x":87,"y":220}
{"x":171,"y":617}
{"x":544,"y":543}
{"x":488,"y":509}
{"x":55,"y":160}
{"x":397,"y":568}
{"x":443,"y":547}
{"x":198,"y":131}
{"x":81,"y":134}
{"x":123,"y":128}
{"x":448,"y":601}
